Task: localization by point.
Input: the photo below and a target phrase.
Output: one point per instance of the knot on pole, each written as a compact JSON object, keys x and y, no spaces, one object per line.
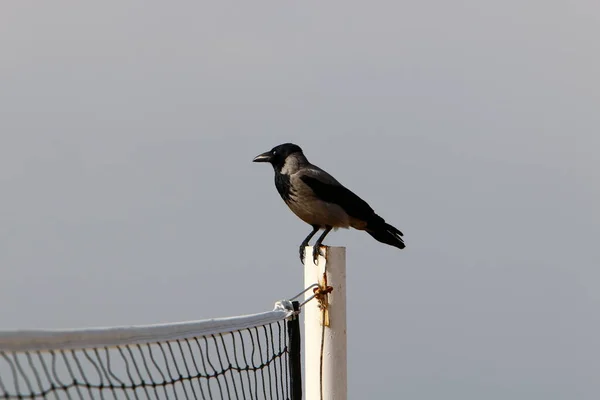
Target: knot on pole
{"x":321,"y":294}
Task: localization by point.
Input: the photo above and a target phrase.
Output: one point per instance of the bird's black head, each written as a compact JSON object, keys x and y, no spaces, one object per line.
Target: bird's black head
{"x":277,"y":155}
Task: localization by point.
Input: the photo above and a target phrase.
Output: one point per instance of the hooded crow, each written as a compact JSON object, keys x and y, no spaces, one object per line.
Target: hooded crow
{"x":321,"y":201}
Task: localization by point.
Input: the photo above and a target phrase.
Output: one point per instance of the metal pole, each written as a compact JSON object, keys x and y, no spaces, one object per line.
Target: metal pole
{"x":295,"y":371}
{"x":329,"y":380}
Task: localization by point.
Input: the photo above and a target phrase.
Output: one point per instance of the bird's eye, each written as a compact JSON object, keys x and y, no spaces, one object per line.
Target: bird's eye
{"x":274,"y":152}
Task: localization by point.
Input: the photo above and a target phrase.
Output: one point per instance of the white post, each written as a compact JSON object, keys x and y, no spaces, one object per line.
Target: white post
{"x":334,"y":341}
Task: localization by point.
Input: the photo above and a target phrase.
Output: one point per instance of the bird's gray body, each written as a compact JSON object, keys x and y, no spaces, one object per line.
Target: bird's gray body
{"x":302,"y":199}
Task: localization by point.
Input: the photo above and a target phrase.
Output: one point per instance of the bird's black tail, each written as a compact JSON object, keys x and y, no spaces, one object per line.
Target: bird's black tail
{"x":385,"y":233}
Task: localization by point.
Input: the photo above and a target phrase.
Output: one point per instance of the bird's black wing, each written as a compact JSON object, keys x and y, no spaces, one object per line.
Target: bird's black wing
{"x":332,"y":191}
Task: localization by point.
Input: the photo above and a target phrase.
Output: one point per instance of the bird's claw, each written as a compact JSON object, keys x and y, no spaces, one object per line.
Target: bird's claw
{"x":316,"y":253}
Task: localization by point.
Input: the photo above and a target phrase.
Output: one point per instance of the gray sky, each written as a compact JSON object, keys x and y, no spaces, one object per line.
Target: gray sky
{"x":129,"y":196}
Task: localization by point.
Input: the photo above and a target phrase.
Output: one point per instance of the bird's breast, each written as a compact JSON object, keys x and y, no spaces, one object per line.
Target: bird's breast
{"x":283,"y":185}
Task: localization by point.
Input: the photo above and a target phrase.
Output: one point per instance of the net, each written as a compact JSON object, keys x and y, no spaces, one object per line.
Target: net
{"x":250,"y":357}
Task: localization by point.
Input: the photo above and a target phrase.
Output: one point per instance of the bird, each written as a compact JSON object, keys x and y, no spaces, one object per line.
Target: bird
{"x":321,"y":201}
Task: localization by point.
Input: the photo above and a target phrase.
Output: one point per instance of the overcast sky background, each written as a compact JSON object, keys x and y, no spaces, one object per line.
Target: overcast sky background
{"x":128,"y":195}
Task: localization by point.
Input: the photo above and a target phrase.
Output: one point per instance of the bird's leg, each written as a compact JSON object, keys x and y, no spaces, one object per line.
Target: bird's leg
{"x":317,"y":245}
{"x":305,"y":241}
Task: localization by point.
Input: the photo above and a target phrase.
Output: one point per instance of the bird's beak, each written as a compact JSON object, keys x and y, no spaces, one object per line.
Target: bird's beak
{"x":264,"y":157}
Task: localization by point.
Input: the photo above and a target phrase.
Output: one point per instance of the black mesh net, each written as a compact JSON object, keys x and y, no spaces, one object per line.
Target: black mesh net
{"x":260,"y":362}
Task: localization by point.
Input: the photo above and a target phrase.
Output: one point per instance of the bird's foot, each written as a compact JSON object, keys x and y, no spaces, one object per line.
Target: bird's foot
{"x":302,"y":249}
{"x":316,"y":253}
